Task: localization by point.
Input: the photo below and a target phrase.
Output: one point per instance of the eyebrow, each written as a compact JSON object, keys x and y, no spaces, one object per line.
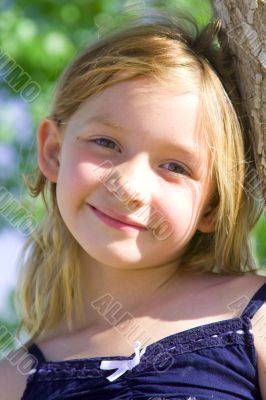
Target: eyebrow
{"x":104,"y":120}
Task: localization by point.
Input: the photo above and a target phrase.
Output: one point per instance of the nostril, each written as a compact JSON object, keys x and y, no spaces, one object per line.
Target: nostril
{"x":134,"y":204}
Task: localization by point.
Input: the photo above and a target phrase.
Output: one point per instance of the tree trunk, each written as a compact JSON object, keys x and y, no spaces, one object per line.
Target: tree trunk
{"x":244,"y":23}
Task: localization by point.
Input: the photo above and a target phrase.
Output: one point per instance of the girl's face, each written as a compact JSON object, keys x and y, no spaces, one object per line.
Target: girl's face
{"x":143,"y":140}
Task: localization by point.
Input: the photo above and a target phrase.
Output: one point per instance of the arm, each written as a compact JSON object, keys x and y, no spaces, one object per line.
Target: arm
{"x":12,"y":383}
{"x":259,"y":330}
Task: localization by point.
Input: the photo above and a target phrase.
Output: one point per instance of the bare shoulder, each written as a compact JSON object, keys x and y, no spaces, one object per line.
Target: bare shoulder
{"x":251,"y":284}
{"x":259,"y":332}
{"x":250,"y":281}
{"x":246,"y":284}
{"x":14,"y":370}
{"x":244,"y":288}
{"x":234,"y":291}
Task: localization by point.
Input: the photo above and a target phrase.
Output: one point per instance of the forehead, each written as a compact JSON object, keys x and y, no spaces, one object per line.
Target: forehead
{"x":143,"y":103}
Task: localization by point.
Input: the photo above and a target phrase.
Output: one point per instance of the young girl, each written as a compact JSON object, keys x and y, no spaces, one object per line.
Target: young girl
{"x":139,"y":283}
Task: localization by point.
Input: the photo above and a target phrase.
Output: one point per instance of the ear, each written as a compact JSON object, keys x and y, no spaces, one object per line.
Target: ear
{"x":207,"y":221}
{"x":49,"y":147}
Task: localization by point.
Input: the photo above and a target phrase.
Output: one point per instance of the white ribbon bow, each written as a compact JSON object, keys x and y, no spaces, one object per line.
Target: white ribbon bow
{"x":123,"y":365}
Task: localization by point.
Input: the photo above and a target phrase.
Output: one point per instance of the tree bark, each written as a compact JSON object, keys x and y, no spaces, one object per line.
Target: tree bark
{"x":244,"y":23}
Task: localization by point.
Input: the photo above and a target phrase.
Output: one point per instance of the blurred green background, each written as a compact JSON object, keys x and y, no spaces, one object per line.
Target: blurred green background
{"x":40,"y":38}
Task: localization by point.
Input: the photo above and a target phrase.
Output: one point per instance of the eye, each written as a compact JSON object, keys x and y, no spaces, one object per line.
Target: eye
{"x":177,"y":168}
{"x":107,"y":142}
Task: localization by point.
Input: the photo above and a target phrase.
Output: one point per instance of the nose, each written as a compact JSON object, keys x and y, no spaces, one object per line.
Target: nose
{"x":130,"y":182}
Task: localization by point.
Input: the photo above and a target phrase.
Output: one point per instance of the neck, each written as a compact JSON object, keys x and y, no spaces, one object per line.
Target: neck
{"x":104,"y":287}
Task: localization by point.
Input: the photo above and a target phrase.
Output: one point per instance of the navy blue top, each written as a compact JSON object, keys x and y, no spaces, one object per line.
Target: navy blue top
{"x":214,"y":361}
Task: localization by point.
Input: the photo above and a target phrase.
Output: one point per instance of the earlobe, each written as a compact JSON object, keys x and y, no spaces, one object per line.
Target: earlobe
{"x":208,"y":221}
{"x":49,"y":147}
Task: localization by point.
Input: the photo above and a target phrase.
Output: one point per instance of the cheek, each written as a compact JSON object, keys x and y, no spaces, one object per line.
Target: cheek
{"x":76,"y":175}
{"x":181,"y":204}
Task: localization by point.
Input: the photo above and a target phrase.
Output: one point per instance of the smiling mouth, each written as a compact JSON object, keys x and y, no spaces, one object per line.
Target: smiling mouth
{"x":114,"y":222}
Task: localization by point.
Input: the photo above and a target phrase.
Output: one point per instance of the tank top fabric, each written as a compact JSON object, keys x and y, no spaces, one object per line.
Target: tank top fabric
{"x":214,"y":361}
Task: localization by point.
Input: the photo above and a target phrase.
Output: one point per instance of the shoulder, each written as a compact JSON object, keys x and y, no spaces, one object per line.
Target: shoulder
{"x":259,"y":331}
{"x":239,"y":290}
{"x":258,"y":323}
{"x":13,"y":376}
{"x":243,"y":289}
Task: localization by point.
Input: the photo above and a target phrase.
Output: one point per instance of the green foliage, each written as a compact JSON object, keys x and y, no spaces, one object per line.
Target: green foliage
{"x":259,"y":242}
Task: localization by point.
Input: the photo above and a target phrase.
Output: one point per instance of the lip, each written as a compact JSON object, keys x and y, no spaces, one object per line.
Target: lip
{"x":116,"y":220}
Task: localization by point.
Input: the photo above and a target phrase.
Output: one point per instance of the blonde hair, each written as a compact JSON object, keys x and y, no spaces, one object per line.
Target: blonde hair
{"x":161,"y":48}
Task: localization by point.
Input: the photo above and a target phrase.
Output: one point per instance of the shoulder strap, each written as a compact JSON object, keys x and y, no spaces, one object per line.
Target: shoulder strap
{"x":36,"y":351}
{"x":255,"y":303}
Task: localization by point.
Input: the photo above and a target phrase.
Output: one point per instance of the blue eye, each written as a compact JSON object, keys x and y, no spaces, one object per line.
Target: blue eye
{"x":106,"y":141}
{"x":178,"y":168}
